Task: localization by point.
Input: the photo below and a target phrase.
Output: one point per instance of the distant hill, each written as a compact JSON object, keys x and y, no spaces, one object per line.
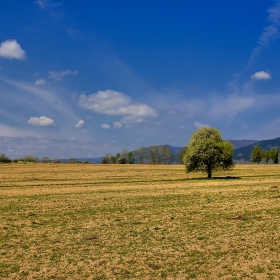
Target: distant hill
{"x":242,"y":143}
{"x":244,"y":153}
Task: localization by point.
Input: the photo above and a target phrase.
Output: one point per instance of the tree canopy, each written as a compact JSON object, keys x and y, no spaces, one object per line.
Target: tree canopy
{"x":207,"y":151}
{"x":257,"y":154}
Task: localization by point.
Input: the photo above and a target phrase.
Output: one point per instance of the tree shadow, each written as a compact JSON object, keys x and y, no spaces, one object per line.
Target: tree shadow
{"x":227,"y":178}
{"x":214,"y":178}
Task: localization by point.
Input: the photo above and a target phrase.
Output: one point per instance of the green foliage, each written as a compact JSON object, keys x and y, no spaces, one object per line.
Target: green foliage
{"x":113,"y":159}
{"x":106,"y":159}
{"x":207,"y":151}
{"x":118,"y":155}
{"x":4,"y":159}
{"x":182,"y":153}
{"x":274,"y":155}
{"x":122,"y":160}
{"x":266,"y":156}
{"x":130,"y":158}
{"x":124,"y":153}
{"x":46,"y":160}
{"x":257,"y":154}
{"x":26,"y":159}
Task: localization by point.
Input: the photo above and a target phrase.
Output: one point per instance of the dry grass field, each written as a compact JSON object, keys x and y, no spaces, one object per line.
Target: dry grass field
{"x":85,"y":221}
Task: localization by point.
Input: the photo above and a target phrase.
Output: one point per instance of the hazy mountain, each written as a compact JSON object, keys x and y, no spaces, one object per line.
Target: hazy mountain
{"x":242,"y":143}
{"x":244,"y":153}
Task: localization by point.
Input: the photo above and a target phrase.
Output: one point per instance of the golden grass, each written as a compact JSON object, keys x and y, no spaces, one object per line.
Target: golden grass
{"x":83,"y":221}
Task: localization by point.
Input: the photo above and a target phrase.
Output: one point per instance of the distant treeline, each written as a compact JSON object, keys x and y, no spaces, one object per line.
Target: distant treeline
{"x":31,"y":159}
{"x":152,"y":155}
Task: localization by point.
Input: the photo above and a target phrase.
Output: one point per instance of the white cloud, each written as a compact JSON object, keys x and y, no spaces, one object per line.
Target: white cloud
{"x":11,"y":49}
{"x":58,"y":76}
{"x":117,"y":125}
{"x":40,"y":82}
{"x":105,"y":126}
{"x":41,"y":121}
{"x":262,"y":75}
{"x":111,"y":102}
{"x":199,"y":125}
{"x":80,"y":124}
{"x":182,"y":127}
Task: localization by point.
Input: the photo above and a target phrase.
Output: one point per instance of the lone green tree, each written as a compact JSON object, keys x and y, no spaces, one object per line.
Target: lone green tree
{"x":257,"y":154}
{"x":207,"y":152}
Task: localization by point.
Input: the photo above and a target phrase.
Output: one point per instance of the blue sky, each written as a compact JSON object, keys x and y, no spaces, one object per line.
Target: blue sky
{"x":85,"y":78}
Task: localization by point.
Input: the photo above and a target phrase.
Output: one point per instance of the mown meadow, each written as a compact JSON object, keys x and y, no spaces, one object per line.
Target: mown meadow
{"x":87,"y":221}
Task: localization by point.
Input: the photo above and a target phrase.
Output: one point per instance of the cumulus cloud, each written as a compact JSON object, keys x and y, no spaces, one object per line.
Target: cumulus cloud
{"x":105,"y":126}
{"x":41,"y":121}
{"x":12,"y":50}
{"x":80,"y":124}
{"x":40,"y":82}
{"x":58,"y":76}
{"x":117,"y":125}
{"x":199,"y":125}
{"x":111,"y":102}
{"x":262,"y":75}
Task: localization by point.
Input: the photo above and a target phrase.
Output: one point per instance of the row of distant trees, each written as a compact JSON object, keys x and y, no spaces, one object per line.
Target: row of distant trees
{"x":154,"y":154}
{"x":259,"y":155}
{"x":31,"y":159}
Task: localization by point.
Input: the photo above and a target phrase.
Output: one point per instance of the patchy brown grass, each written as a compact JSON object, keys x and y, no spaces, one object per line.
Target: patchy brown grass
{"x":78,"y":221}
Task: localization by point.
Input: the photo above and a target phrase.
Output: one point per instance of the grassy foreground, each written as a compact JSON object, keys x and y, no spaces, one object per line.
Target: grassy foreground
{"x":78,"y":221}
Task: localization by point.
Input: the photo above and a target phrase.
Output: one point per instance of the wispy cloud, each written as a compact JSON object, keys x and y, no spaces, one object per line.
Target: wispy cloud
{"x":12,"y":50}
{"x":111,"y":102}
{"x":41,"y":121}
{"x":49,"y":96}
{"x":58,"y":76}
{"x":43,"y":4}
{"x":262,"y":75}
{"x":231,"y":105}
{"x":270,"y":33}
